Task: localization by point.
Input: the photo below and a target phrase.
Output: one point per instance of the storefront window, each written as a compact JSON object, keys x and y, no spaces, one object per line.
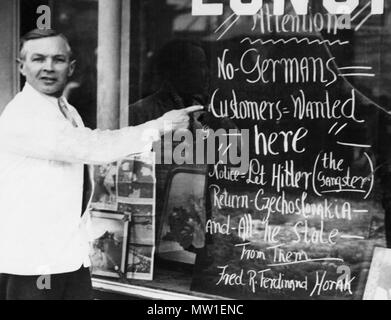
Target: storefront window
{"x":313,"y":92}
{"x":301,"y":196}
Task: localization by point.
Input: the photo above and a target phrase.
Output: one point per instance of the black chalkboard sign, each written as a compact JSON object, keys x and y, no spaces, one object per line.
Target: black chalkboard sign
{"x":303,"y":221}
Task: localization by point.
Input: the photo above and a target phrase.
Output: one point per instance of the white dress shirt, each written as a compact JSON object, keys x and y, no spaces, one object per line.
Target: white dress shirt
{"x":42,"y":156}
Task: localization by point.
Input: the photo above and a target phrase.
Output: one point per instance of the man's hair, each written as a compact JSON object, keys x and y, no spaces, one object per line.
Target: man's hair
{"x":40,"y":34}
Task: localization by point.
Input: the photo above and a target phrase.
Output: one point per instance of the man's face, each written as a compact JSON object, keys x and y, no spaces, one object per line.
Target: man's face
{"x":46,"y":65}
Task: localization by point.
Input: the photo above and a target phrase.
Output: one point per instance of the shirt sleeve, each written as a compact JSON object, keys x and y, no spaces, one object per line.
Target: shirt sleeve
{"x":57,"y":140}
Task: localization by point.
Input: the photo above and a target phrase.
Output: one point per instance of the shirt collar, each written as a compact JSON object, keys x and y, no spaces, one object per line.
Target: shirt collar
{"x":53,"y":100}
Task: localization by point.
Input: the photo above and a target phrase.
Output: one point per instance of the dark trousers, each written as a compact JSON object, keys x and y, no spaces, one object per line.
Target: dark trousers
{"x":66,"y":286}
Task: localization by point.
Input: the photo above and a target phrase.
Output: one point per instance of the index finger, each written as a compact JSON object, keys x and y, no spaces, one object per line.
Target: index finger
{"x":194,"y":109}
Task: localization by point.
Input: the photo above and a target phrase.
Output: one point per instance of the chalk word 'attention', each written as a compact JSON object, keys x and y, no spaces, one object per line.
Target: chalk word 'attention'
{"x":300,"y":7}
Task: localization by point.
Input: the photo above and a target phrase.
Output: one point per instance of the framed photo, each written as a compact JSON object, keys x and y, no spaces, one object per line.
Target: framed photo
{"x":136,"y":179}
{"x":126,"y":172}
{"x":108,"y":248}
{"x":378,"y":285}
{"x":140,"y":262}
{"x":139,"y":169}
{"x":182,"y":229}
{"x":105,"y":191}
{"x":144,"y":170}
{"x":142,"y":230}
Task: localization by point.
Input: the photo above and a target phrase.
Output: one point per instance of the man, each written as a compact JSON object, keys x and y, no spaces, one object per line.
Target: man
{"x":43,"y":148}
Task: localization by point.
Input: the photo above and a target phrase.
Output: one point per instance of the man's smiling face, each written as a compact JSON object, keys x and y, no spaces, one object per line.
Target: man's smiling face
{"x":46,"y":64}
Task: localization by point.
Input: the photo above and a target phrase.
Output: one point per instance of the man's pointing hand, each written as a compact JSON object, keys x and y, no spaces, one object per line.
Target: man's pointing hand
{"x":177,"y":119}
